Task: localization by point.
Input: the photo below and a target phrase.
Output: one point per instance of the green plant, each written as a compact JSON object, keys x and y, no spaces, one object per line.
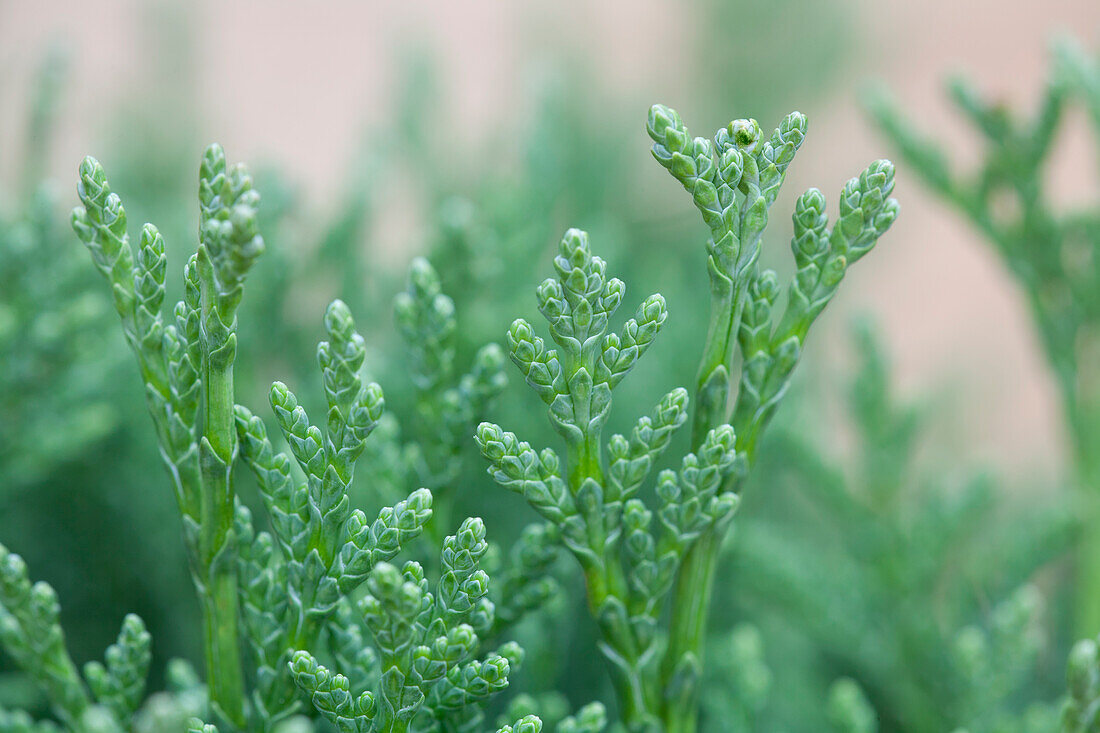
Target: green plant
{"x":48,"y":320}
{"x":106,"y":698}
{"x":883,"y":569}
{"x":1083,"y":678}
{"x":187,"y":368}
{"x":593,"y":499}
{"x":446,"y":407}
{"x":848,"y":709}
{"x":73,"y":446}
{"x":73,"y":519}
{"x":738,"y":681}
{"x":287,"y":590}
{"x":332,"y":633}
{"x":1052,"y":253}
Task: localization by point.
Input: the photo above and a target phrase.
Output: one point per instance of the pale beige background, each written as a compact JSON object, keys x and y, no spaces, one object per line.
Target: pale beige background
{"x":298,"y":82}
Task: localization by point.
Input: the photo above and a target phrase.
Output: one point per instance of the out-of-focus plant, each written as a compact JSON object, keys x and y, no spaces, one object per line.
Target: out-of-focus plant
{"x":72,"y":459}
{"x":448,"y":406}
{"x":51,"y":347}
{"x":883,"y":574}
{"x":1054,"y":254}
{"x":737,"y":682}
{"x":1082,"y":710}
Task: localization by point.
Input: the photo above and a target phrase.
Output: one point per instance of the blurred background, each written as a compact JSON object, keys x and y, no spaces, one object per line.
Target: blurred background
{"x":303,"y":88}
{"x":475,"y":133}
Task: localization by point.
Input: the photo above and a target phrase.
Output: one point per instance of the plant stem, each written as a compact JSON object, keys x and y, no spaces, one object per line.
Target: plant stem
{"x":223,"y":663}
{"x":217,"y":558}
{"x":636,"y":698}
{"x":606,"y":585}
{"x":691,"y":593}
{"x":690,"y":607}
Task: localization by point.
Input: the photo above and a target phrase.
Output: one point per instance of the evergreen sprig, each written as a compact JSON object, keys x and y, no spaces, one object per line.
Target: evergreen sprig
{"x":298,"y":580}
{"x":425,"y":661}
{"x":593,"y":503}
{"x":448,"y":404}
{"x":187,"y":368}
{"x":120,"y":684}
{"x":32,"y":635}
{"x":324,"y":548}
{"x":106,"y":698}
{"x":1052,"y":253}
{"x":288,"y":590}
{"x":629,"y":568}
{"x":734,"y":180}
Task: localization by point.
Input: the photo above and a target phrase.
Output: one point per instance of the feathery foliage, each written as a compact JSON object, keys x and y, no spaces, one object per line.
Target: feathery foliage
{"x":833,"y":548}
{"x":288,"y":590}
{"x":630,"y":567}
{"x":312,"y":621}
{"x":1052,"y":253}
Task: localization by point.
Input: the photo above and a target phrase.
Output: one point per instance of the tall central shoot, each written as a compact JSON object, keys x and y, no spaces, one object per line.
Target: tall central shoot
{"x":187,"y":367}
{"x":734,"y":181}
{"x":632,"y":567}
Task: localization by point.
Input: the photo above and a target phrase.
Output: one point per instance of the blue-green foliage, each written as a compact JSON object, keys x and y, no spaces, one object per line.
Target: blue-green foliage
{"x":1050,"y":251}
{"x":485,"y":252}
{"x":299,"y":579}
{"x":884,"y":572}
{"x":629,"y":564}
{"x":110,"y":696}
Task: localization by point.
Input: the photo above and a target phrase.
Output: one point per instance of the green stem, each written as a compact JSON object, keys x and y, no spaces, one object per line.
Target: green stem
{"x":398,"y":726}
{"x":690,"y":607}
{"x":223,"y":664}
{"x":712,"y":382}
{"x":635,"y":704}
{"x":606,"y":585}
{"x":217,"y":556}
{"x":635,"y":695}
{"x":682,"y":666}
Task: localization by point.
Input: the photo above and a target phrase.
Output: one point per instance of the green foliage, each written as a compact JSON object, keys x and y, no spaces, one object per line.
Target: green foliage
{"x":70,"y":465}
{"x":187,"y":370}
{"x":593,"y":500}
{"x":426,"y":643}
{"x":738,"y":681}
{"x":1083,"y":678}
{"x":592,"y":718}
{"x":292,"y":582}
{"x":498,"y":228}
{"x":734,"y":181}
{"x":848,"y":708}
{"x":1049,"y":251}
{"x":32,"y":635}
{"x":308,"y":624}
{"x":183,"y":698}
{"x":326,"y":550}
{"x":877,"y":568}
{"x":595,"y":511}
{"x":109,"y":698}
{"x":448,"y":406}
{"x":53,"y":351}
{"x":120,"y":685}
